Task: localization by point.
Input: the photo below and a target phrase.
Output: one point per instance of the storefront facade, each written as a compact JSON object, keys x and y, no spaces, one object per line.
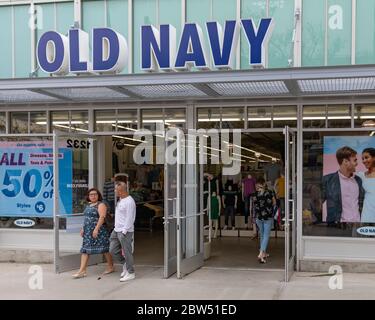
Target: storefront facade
{"x":316,"y":78}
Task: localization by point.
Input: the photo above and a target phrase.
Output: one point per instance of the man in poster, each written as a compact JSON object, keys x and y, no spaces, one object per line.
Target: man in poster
{"x":342,"y":190}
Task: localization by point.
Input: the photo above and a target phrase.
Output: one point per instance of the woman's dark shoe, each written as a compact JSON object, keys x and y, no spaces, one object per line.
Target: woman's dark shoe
{"x":262,"y":260}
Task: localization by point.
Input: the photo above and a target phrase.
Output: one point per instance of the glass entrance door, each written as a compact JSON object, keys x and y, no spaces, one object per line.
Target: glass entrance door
{"x":290,"y":202}
{"x":73,"y":175}
{"x":183,"y":221}
{"x":190,"y":218}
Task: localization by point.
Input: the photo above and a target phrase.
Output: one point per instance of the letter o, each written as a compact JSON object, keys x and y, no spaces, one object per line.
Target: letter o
{"x":52,"y":51}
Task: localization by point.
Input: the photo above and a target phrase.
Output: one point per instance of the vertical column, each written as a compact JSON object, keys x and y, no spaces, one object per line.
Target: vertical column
{"x":354,"y":23}
{"x":297,"y":36}
{"x":33,"y":25}
{"x":299,"y":230}
{"x":130,"y":37}
{"x":77,"y":14}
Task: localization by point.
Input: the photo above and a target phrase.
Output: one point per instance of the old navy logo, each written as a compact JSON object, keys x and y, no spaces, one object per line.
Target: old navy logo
{"x":61,"y":54}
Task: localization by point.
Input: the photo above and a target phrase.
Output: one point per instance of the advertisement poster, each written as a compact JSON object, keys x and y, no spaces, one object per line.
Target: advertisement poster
{"x":352,"y":189}
{"x":26,"y":177}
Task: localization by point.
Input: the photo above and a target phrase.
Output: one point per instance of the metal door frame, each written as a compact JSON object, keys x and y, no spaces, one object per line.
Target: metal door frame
{"x":290,"y":201}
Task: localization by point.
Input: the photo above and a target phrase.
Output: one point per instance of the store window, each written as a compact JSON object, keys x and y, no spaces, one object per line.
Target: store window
{"x":174,"y":118}
{"x":38,"y":122}
{"x":79,"y":121}
{"x":19,"y":122}
{"x":127,"y":120}
{"x":284,"y":116}
{"x":28,"y":181}
{"x":364,"y":116}
{"x":2,"y":122}
{"x":233,"y":118}
{"x":335,"y":183}
{"x":105,"y":120}
{"x":60,"y":121}
{"x":314,"y":116}
{"x":259,"y":117}
{"x":339,"y":116}
{"x":209,"y":118}
{"x":152,"y":119}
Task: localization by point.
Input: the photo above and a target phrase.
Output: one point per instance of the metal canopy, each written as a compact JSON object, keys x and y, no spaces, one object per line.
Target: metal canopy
{"x":182,"y":86}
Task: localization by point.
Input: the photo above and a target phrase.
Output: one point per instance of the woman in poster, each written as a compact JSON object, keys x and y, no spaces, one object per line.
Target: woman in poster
{"x":368,"y":183}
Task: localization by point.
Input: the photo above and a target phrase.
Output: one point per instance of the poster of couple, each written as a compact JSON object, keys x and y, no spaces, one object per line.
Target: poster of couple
{"x":348,"y":183}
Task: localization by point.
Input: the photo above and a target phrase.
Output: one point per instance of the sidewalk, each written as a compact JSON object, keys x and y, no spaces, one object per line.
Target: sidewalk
{"x":202,"y":284}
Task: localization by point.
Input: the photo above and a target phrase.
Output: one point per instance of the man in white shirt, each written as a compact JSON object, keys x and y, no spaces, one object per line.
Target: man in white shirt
{"x":123,"y":233}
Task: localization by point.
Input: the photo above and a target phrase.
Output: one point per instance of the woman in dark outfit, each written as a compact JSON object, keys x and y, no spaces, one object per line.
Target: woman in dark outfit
{"x":264,"y":201}
{"x":95,"y":234}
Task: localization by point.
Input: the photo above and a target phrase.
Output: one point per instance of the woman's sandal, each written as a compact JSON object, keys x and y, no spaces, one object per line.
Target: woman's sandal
{"x":79,"y":275}
{"x":108,"y":271}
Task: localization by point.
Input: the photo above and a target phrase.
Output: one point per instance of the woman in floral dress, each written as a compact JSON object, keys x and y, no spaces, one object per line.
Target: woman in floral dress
{"x":94,"y":232}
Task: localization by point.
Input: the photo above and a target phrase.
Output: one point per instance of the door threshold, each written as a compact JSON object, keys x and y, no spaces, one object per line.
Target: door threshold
{"x":243,"y":269}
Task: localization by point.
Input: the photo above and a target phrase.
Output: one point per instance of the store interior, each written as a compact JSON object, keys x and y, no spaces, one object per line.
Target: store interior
{"x":230,"y":246}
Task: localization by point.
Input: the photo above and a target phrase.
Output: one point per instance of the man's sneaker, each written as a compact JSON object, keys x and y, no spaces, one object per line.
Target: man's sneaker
{"x":225,"y":227}
{"x":127,"y":277}
{"x":124,"y":271}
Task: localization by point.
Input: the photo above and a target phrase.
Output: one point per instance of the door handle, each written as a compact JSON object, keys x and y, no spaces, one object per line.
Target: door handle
{"x":292,"y":201}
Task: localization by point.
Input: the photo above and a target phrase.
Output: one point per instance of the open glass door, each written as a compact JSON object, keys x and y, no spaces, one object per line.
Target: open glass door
{"x":190,"y":217}
{"x":290,"y":202}
{"x":172,"y":197}
{"x":73,"y":175}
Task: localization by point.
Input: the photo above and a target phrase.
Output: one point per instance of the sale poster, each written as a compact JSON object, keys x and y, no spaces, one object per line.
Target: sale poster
{"x":26,"y":177}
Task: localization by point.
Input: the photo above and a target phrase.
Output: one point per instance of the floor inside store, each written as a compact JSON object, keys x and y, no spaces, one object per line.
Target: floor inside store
{"x":226,"y":252}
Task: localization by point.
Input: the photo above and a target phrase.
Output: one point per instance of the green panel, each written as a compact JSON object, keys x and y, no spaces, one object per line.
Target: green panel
{"x":6,"y":42}
{"x":365,"y":36}
{"x":313,"y":32}
{"x":22,"y":36}
{"x":144,"y":14}
{"x":223,"y":10}
{"x":250,"y":9}
{"x":200,"y":11}
{"x":340,"y":36}
{"x":170,"y":13}
{"x":92,"y":17}
{"x":280,"y":48}
{"x":48,"y":23}
{"x":117,"y":18}
{"x":92,"y":14}
{"x":65,"y":16}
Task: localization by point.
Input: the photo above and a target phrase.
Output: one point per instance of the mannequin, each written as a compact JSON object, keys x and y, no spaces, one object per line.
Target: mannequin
{"x":248,"y":188}
{"x":230,"y":205}
{"x":215,"y":211}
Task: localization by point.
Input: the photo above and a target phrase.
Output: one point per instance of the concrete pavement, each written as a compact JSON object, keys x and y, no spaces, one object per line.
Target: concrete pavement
{"x":205,"y":283}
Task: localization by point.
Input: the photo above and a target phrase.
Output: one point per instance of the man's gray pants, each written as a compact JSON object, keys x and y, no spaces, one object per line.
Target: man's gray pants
{"x":120,"y":241}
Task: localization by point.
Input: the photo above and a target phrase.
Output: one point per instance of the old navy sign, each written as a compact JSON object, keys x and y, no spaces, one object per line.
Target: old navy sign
{"x":60,"y":54}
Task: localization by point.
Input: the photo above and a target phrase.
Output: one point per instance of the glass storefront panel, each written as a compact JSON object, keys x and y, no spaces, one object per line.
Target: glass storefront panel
{"x":284,"y":116}
{"x":22,"y":41}
{"x":337,"y":193}
{"x":209,"y":118}
{"x":127,"y":120}
{"x":19,"y":122}
{"x":339,"y":116}
{"x":364,"y":116}
{"x":259,"y":117}
{"x":38,"y":122}
{"x":175,"y":118}
{"x":233,"y":118}
{"x":105,"y":120}
{"x":79,"y":121}
{"x":60,"y":121}
{"x":314,"y":116}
